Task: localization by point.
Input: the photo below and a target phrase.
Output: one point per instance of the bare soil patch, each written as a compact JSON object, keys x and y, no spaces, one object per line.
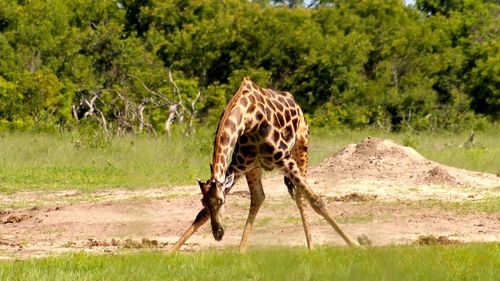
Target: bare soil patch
{"x":378,"y":190}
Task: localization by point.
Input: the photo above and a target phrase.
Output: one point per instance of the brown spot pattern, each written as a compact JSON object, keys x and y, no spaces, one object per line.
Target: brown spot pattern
{"x":259,"y":124}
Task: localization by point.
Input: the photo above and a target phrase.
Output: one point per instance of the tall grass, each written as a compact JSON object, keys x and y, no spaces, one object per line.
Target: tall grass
{"x":475,"y":262}
{"x":449,"y":149}
{"x":43,"y":161}
{"x":38,"y":161}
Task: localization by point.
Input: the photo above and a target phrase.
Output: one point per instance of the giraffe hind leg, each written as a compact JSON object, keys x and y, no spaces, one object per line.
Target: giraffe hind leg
{"x":318,"y":204}
{"x":254,"y":180}
{"x":297,"y":195}
{"x":290,"y":186}
{"x":300,"y":156}
{"x":299,"y":200}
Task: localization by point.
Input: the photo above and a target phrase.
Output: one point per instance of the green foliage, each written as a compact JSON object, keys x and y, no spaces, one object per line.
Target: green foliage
{"x":351,"y":64}
{"x":460,"y":262}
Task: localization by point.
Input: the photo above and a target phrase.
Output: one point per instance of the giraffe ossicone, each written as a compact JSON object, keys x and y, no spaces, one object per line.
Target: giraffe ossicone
{"x":259,"y":129}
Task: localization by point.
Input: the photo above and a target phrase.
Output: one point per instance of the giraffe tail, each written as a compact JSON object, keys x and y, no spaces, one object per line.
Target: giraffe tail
{"x":290,"y":186}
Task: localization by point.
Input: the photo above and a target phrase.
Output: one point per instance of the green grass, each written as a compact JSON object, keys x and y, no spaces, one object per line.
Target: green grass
{"x":489,"y":205}
{"x":448,"y":149}
{"x":52,"y":162}
{"x":55,"y":162}
{"x":475,"y":262}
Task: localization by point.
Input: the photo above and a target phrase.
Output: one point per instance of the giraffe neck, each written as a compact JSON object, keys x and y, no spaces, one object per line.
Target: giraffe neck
{"x":220,"y":158}
{"x":230,"y":128}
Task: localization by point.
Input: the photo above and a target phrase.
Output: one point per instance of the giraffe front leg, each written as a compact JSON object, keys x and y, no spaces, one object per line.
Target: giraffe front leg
{"x":257,"y":197}
{"x":318,"y":204}
{"x":200,"y":220}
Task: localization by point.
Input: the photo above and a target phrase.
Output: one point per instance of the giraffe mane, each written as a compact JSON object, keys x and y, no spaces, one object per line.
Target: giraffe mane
{"x":220,"y":127}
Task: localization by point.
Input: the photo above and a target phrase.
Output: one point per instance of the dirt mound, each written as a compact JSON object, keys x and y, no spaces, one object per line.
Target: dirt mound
{"x":97,"y":243}
{"x":433,"y":240}
{"x":128,"y":243}
{"x":16,"y":218}
{"x":144,"y":243}
{"x":353,"y":197}
{"x":380,"y":160}
{"x":438,"y":175}
{"x":375,"y":149}
{"x":374,"y":158}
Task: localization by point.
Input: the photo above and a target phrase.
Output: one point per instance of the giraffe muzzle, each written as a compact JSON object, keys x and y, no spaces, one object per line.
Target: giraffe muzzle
{"x":217,"y":231}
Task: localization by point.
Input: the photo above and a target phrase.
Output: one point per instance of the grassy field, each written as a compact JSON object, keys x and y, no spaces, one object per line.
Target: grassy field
{"x":460,"y":262}
{"x":55,"y":162}
{"x":41,"y":162}
{"x":51,"y":162}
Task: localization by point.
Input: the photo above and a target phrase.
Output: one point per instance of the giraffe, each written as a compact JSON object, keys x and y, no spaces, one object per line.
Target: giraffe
{"x":262,"y":129}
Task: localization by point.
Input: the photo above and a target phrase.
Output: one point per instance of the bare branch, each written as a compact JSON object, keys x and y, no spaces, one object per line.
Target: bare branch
{"x":151,"y":91}
{"x":74,"y":112}
{"x":178,"y":93}
{"x":176,"y":88}
{"x":194,"y":101}
{"x":98,"y":113}
{"x":192,"y":114}
{"x":172,"y":114}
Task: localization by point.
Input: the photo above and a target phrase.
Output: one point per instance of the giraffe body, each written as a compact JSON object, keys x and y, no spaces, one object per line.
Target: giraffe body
{"x":261,"y":129}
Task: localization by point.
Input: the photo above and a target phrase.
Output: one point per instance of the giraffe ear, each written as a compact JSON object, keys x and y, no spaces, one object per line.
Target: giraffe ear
{"x":228,"y":182}
{"x":202,"y":186}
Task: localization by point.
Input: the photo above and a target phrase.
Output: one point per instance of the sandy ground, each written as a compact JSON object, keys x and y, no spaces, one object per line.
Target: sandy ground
{"x":377,"y":188}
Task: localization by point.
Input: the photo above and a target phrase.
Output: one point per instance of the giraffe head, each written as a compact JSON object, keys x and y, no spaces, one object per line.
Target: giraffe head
{"x":214,"y":197}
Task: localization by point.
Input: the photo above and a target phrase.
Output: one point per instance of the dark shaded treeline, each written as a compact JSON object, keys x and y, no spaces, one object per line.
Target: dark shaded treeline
{"x":379,"y":63}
